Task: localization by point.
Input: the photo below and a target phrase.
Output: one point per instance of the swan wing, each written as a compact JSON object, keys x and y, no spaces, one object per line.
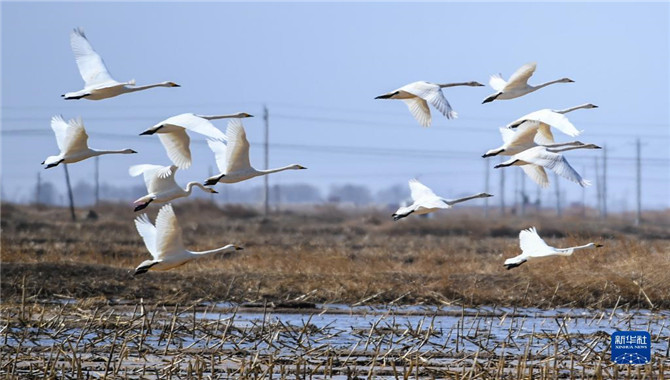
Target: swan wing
{"x":524,"y":134}
{"x":497,"y":82}
{"x":433,"y":95}
{"x":237,"y":152}
{"x":537,"y":174}
{"x":544,"y":135}
{"x":157,"y":178}
{"x":91,"y":66}
{"x":419,"y":109}
{"x":554,"y":119}
{"x":148,"y":233}
{"x":60,"y":127}
{"x":168,"y":232}
{"x":196,"y":124}
{"x":433,"y":202}
{"x":532,"y":244}
{"x":520,"y":77}
{"x":177,"y":147}
{"x":419,"y":190}
{"x":219,"y":148}
{"x":557,"y":163}
{"x":76,"y":139}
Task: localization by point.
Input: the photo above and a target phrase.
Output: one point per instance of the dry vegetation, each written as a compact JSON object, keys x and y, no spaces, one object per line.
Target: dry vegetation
{"x":329,"y":255}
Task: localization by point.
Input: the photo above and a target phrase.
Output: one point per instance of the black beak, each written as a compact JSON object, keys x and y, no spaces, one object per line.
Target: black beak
{"x":146,"y":133}
{"x":498,"y":166}
{"x":239,"y":248}
{"x":132,"y":151}
{"x":214,"y":191}
{"x":599,"y":245}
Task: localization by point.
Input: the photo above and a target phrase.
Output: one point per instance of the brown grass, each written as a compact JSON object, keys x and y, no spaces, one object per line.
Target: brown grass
{"x":327,"y":254}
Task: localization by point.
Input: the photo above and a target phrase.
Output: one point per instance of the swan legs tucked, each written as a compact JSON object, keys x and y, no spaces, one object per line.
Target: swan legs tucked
{"x":143,"y":205}
{"x":400,"y":216}
{"x":510,"y":266}
{"x":143,"y":269}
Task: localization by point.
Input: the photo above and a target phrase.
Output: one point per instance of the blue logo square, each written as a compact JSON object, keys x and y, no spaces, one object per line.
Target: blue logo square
{"x":631,"y":347}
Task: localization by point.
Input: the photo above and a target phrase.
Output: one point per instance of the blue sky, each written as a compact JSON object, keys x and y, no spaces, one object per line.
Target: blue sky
{"x":318,"y":68}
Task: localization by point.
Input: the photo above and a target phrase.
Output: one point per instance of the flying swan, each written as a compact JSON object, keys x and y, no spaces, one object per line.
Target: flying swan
{"x":99,"y":84}
{"x":417,"y":95}
{"x":175,"y":140}
{"x":161,"y":184}
{"x":425,"y":200}
{"x":534,"y":160}
{"x":528,"y":135}
{"x":72,"y":141}
{"x":232,"y":158}
{"x":517,"y":84}
{"x":164,"y":242}
{"x":553,"y":118}
{"x":532,"y":246}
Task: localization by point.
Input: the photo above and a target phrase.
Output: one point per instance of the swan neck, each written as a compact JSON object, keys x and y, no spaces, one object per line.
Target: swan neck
{"x":443,"y":85}
{"x":539,"y":86}
{"x":268,"y":171}
{"x":190,"y":185}
{"x":140,"y":88}
{"x":459,"y":200}
{"x":212,"y":251}
{"x":572,"y":109}
{"x":101,"y":152}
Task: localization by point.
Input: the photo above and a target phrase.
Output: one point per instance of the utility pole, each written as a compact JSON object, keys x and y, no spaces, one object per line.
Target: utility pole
{"x":605,"y":181}
{"x":524,"y":198}
{"x":599,"y":186}
{"x":211,"y":195}
{"x":486,"y":188}
{"x":502,"y":190}
{"x":38,"y":190}
{"x":558,"y":196}
{"x":584,"y":193}
{"x":638,"y":217}
{"x":516,"y":190}
{"x":69,"y":192}
{"x":97,"y":181}
{"x":266,"y":187}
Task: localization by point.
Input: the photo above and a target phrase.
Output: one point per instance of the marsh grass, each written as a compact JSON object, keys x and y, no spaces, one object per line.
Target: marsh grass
{"x":331,"y":255}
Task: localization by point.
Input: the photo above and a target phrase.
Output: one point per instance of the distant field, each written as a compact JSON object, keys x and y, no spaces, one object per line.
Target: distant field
{"x":328,"y":255}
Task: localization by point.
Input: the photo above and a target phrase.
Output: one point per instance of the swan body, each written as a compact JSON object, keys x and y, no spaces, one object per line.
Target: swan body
{"x":161,"y":184}
{"x":532,"y":246}
{"x":232,"y":158}
{"x":528,"y":135}
{"x":99,"y":84}
{"x":517,"y":85}
{"x":425,"y":201}
{"x":164,"y":242}
{"x":552,"y":118}
{"x":533,"y":161}
{"x":175,"y":140}
{"x":72,"y":141}
{"x":417,"y":95}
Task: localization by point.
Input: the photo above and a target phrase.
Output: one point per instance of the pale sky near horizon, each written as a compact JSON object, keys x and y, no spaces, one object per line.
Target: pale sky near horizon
{"x":319,"y":66}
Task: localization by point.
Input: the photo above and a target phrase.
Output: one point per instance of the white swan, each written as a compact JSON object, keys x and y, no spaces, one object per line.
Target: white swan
{"x":532,"y":246}
{"x":72,"y":141}
{"x":232,"y":158}
{"x":172,"y":133}
{"x":529,"y":134}
{"x":161,"y":184}
{"x":534,"y":160}
{"x":517,"y":84}
{"x":553,"y":118}
{"x":425,"y":201}
{"x":99,"y":84}
{"x":164,"y":242}
{"x":417,"y":95}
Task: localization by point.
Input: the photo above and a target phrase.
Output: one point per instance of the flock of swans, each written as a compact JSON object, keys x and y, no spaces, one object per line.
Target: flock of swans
{"x":528,"y":140}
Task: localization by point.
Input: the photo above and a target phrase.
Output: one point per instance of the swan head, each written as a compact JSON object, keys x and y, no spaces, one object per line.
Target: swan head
{"x":170,"y":84}
{"x":388,"y":96}
{"x":589,"y":105}
{"x":565,"y":80}
{"x":128,"y":151}
{"x":484,"y":195}
{"x":210,"y":190}
{"x":297,"y":167}
{"x":243,"y":115}
{"x":590,"y":146}
{"x":474,"y":84}
{"x":231,"y":248}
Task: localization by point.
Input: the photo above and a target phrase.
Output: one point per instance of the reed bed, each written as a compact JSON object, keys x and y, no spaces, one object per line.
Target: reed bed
{"x":77,"y":340}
